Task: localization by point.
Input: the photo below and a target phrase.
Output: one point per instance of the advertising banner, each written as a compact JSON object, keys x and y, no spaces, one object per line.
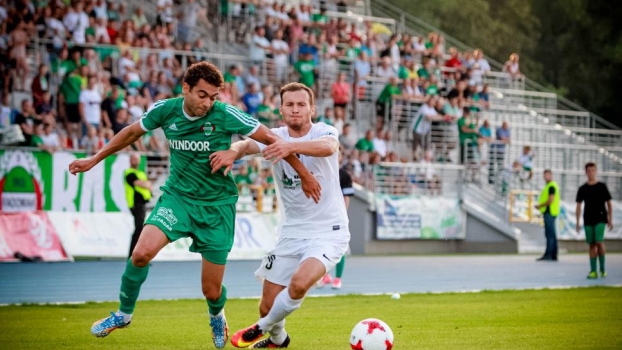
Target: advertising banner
{"x":419,"y":217}
{"x":100,"y":235}
{"x":255,"y":235}
{"x":37,"y":180}
{"x":30,"y":234}
{"x":108,"y":235}
{"x":567,"y":223}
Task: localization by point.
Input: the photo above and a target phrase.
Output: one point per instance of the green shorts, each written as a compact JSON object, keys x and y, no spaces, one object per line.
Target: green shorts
{"x":595,"y":233}
{"x":211,"y":227}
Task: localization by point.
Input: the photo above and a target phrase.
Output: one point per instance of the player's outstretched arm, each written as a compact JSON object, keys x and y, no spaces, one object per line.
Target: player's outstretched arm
{"x":310,"y":186}
{"x":124,"y":138}
{"x":225,"y":159}
{"x":322,"y":147}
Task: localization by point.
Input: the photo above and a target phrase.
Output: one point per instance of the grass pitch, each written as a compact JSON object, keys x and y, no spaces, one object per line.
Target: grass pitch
{"x":586,"y":318}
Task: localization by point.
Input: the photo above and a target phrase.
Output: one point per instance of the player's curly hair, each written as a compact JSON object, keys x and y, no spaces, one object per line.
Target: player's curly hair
{"x":203,"y":70}
{"x":297,"y":87}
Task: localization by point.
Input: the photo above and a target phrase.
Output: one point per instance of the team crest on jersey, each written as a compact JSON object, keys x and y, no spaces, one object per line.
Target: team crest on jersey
{"x":208,"y":128}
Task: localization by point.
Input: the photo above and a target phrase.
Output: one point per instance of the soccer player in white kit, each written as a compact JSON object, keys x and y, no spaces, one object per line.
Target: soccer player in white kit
{"x":312,"y":237}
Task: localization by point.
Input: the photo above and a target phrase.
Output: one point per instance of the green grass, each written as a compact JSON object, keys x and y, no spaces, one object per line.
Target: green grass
{"x":585,"y":318}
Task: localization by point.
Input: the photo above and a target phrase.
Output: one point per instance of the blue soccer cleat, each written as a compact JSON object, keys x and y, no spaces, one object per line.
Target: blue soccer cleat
{"x":220,"y":330}
{"x":106,"y":325}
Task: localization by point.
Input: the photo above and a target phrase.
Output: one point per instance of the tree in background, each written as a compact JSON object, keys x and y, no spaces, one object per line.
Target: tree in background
{"x":573,"y":47}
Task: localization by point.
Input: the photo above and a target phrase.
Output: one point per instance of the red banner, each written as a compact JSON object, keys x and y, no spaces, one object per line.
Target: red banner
{"x":30,"y":234}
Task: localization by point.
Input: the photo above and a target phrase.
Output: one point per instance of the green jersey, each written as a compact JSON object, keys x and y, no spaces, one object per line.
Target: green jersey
{"x":191,"y":140}
{"x":306,"y":71}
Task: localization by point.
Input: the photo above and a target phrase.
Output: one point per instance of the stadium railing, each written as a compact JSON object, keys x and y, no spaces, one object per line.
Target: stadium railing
{"x":518,"y":114}
{"x":407,"y":179}
{"x":556,"y":133}
{"x":501,"y":80}
{"x":530,"y":99}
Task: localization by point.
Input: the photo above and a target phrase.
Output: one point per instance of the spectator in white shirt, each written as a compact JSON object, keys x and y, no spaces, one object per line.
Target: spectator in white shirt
{"x":76,"y":21}
{"x":422,"y":124}
{"x":90,"y":104}
{"x":165,"y":11}
{"x":280,"y":50}
{"x":385,"y":69}
{"x":380,"y":145}
{"x":259,"y":46}
{"x":480,"y":66}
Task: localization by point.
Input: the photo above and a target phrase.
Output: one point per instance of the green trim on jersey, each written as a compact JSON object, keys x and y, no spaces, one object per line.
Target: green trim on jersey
{"x":191,"y":140}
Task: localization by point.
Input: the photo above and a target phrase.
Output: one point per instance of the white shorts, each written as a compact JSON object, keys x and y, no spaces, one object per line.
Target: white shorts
{"x":281,"y":262}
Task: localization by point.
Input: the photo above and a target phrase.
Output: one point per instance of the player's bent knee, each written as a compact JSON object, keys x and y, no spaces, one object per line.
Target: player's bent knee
{"x":211,"y":292}
{"x":297,"y":289}
{"x":141,"y":258}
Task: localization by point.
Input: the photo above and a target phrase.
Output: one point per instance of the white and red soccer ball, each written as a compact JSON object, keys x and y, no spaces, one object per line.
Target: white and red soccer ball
{"x":371,"y":334}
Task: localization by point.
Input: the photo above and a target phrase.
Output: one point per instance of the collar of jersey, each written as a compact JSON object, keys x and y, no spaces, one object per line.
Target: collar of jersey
{"x":183,"y":103}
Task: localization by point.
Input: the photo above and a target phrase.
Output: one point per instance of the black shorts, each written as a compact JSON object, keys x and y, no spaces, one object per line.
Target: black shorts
{"x":381,"y":108}
{"x":340,"y":105}
{"x":72,"y":112}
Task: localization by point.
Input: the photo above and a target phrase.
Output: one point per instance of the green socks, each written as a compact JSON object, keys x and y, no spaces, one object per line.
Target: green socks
{"x":340,"y":266}
{"x":216,"y":306}
{"x":593,"y":264}
{"x":132,"y":279}
{"x":601,"y":260}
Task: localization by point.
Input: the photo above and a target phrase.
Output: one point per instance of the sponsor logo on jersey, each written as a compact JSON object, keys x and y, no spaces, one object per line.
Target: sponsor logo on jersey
{"x":290,"y":183}
{"x":166,"y":217}
{"x":208,"y":128}
{"x":185,"y":145}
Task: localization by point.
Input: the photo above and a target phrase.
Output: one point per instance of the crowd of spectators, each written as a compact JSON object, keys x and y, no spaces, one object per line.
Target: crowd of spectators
{"x":105,"y":66}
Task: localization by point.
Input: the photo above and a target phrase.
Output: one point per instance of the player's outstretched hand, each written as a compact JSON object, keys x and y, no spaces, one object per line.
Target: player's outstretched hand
{"x":278,"y":150}
{"x":81,"y":165}
{"x":311,"y":187}
{"x":222,"y":159}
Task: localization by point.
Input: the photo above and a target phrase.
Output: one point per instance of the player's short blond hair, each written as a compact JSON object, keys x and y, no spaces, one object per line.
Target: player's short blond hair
{"x":291,"y":87}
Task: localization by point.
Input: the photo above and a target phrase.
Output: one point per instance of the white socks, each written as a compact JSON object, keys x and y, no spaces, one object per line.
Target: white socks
{"x":278,"y":334}
{"x":283,"y":306}
{"x":126,"y":317}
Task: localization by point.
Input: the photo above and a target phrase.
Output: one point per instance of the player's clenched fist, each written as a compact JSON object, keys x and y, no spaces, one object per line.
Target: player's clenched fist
{"x":81,"y":165}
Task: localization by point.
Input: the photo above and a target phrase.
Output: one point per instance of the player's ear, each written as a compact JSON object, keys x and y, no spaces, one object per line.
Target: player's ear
{"x":185,"y":88}
{"x":312,"y":111}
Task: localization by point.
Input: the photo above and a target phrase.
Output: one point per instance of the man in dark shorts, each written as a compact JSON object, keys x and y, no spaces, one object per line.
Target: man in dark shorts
{"x":595,"y":194}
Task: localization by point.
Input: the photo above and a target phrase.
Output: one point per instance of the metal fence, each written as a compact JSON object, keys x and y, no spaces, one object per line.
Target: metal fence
{"x":529,"y":99}
{"x":521,"y":114}
{"x":416,"y":179}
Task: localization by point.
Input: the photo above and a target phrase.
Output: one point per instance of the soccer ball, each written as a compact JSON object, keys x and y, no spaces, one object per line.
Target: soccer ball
{"x":371,"y":334}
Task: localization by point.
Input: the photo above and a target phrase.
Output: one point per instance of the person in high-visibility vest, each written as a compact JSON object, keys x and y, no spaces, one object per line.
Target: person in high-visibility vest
{"x":137,"y":194}
{"x":549,"y":205}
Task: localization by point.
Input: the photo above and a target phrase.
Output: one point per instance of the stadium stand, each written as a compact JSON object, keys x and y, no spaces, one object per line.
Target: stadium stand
{"x":418,"y":112}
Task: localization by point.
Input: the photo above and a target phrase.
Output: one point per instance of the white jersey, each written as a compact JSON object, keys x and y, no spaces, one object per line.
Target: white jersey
{"x":301,"y":217}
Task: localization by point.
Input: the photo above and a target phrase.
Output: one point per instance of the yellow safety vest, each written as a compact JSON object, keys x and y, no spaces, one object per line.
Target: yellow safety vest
{"x":544,"y":197}
{"x":129,"y":190}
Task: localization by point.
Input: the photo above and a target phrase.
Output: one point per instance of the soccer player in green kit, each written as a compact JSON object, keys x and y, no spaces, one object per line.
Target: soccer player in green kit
{"x":195,"y":203}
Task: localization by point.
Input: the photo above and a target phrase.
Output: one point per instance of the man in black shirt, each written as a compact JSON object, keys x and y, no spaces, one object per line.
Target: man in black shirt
{"x":595,"y":194}
{"x":137,"y":193}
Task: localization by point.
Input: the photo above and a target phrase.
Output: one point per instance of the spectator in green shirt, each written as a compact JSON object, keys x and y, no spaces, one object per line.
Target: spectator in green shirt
{"x":385,"y":100}
{"x":242,"y":178}
{"x":467,"y":135}
{"x":306,"y":69}
{"x":366,"y":144}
